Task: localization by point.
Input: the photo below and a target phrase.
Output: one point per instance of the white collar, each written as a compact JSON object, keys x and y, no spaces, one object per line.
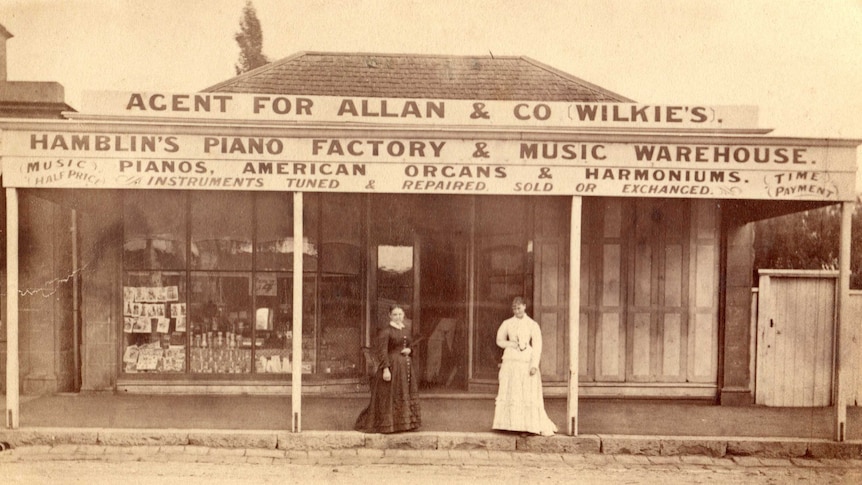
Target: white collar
{"x":399,"y":326}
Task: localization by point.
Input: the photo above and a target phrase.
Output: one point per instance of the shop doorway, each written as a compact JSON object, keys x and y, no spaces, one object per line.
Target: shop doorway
{"x":521,"y":250}
{"x":419,"y":260}
{"x":443,"y":303}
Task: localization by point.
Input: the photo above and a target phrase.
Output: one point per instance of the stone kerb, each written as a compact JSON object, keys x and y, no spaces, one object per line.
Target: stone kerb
{"x":834,"y":449}
{"x":729,"y":446}
{"x":49,"y":436}
{"x":560,"y":443}
{"x":233,"y":439}
{"x":143,"y":437}
{"x":319,"y":440}
{"x":662,"y":446}
{"x":416,"y":440}
{"x":768,"y":448}
{"x":476,"y":441}
{"x":326,"y":441}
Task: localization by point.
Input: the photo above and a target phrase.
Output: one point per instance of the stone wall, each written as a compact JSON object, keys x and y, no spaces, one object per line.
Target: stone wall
{"x":101,"y":235}
{"x":45,"y":316}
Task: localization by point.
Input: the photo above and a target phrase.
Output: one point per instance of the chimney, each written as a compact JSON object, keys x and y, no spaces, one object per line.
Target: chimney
{"x":4,"y":36}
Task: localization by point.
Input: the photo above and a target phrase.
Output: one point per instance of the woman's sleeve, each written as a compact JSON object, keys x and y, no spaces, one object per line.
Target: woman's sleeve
{"x":381,"y":344}
{"x":502,"y":336}
{"x":536,"y":337}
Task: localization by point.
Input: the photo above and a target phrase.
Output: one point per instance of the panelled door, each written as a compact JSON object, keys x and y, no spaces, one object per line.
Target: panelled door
{"x":649,"y":279}
{"x":550,"y":280}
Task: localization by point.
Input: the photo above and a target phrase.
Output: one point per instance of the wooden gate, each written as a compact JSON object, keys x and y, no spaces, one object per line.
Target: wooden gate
{"x":795,"y":335}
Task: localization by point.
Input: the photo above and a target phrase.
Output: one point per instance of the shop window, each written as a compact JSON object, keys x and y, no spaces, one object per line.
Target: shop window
{"x":274,"y":232}
{"x":340,"y":278}
{"x":208,"y":283}
{"x":272,"y":314}
{"x":273,"y":324}
{"x":311,"y":208}
{"x":155,"y":324}
{"x":341,"y":325}
{"x":221,"y":231}
{"x":221,"y":323}
{"x":155,"y":231}
{"x":341,"y":234}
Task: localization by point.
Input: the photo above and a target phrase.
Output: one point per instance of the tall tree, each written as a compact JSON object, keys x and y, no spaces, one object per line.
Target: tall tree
{"x":809,"y":240}
{"x":250,"y":40}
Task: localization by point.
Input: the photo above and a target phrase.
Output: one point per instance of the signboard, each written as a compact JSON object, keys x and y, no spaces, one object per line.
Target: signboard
{"x":416,"y":112}
{"x":723,"y":169}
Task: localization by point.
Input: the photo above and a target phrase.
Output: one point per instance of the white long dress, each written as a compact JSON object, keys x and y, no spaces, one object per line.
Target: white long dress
{"x":520,"y":404}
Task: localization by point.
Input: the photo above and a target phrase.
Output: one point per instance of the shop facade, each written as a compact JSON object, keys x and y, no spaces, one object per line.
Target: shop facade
{"x":250,"y":238}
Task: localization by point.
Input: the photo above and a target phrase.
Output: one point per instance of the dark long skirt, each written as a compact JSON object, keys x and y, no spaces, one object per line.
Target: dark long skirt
{"x":394,"y":405}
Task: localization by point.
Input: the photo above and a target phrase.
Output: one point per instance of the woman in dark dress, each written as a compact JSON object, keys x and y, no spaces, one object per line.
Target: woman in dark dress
{"x":394,"y":402}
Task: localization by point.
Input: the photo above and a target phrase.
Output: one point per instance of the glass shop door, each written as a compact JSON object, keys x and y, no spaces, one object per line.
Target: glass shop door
{"x":443,"y":334}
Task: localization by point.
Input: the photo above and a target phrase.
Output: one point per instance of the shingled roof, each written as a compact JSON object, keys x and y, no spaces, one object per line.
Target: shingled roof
{"x":416,"y":76}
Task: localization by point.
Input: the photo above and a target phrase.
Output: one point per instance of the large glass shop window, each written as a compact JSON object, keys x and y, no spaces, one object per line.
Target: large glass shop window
{"x":273,"y":286}
{"x":220,"y":312}
{"x":220,"y":301}
{"x":155,"y":326}
{"x":334,"y":227}
{"x":208,"y":287}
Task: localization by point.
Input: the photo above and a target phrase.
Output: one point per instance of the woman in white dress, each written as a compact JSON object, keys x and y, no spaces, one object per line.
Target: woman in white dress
{"x":520,"y":405}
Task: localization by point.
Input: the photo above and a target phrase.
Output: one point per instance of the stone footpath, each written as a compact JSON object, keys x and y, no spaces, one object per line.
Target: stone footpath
{"x":341,"y":447}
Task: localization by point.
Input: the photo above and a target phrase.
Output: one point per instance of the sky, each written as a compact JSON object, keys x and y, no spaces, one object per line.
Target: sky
{"x":799,"y":62}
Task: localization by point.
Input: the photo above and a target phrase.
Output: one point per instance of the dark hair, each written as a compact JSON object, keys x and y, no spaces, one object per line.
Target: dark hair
{"x":519,"y":301}
{"x":395,"y":306}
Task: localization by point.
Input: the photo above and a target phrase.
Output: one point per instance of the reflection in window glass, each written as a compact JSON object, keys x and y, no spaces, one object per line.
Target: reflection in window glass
{"x":274,"y":229}
{"x":341,"y":233}
{"x":154,"y":231}
{"x":221,"y":231}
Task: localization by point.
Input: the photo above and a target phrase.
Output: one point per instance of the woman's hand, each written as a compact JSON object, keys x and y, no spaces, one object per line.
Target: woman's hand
{"x":387,"y":376}
{"x":405,"y":351}
{"x":533,"y":371}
